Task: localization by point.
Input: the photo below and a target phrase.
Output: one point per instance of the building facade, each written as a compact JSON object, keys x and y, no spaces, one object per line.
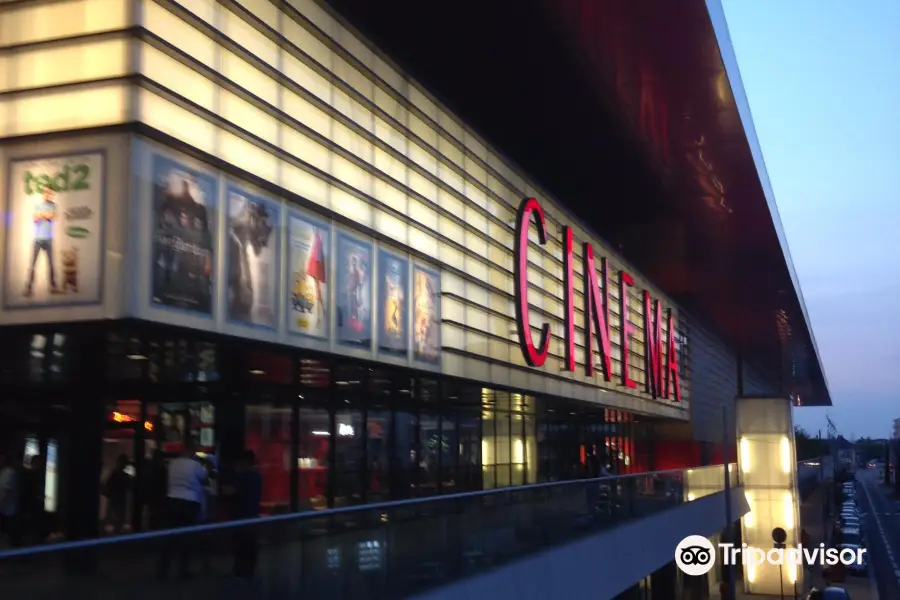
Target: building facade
{"x":239,"y":225}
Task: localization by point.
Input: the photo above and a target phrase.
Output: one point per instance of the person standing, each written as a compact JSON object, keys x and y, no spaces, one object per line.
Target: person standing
{"x":186,"y":493}
{"x":44,"y":216}
{"x":248,"y":486}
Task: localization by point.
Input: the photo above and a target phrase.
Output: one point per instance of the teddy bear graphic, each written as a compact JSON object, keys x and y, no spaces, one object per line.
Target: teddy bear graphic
{"x":69,"y":257}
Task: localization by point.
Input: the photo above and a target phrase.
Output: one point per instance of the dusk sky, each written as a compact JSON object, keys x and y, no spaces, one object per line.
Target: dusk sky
{"x":823,"y":81}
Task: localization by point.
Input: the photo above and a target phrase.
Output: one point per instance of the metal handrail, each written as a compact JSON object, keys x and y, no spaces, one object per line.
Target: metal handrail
{"x":326,"y":513}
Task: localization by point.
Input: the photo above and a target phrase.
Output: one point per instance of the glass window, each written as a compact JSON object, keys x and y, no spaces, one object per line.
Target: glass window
{"x":268,"y":434}
{"x":406,"y":450}
{"x":174,"y":423}
{"x":180,"y":360}
{"x":267,"y":366}
{"x":315,"y":374}
{"x":503,"y":438}
{"x":314,"y":457}
{"x":431,"y":443}
{"x":469,"y":439}
{"x":124,"y":359}
{"x":488,"y":450}
{"x":349,"y":454}
{"x":379,"y":433}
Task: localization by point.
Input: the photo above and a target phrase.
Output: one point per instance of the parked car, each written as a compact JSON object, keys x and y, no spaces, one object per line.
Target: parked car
{"x":857,"y":568}
{"x":829,"y":593}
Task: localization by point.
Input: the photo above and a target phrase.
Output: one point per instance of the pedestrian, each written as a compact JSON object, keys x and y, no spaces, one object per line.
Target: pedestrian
{"x":186,"y":493}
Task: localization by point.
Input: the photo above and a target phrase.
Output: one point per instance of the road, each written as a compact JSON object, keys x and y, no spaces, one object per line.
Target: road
{"x":882,"y":532}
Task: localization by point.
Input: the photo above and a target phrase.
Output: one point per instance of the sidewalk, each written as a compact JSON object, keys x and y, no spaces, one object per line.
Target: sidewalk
{"x":818,"y":528}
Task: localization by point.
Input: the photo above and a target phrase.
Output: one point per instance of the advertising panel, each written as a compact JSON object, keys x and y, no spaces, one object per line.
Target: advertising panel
{"x":354,"y":290}
{"x":393,"y":294}
{"x":252,"y":258}
{"x":426,"y":315}
{"x":309,"y":262}
{"x":54,"y":244}
{"x":183,"y":246}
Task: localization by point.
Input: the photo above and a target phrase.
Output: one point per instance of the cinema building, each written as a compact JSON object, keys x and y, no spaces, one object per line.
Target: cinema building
{"x":245,"y":225}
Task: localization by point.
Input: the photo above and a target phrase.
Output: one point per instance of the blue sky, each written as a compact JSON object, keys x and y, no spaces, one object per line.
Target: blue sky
{"x":823,"y":81}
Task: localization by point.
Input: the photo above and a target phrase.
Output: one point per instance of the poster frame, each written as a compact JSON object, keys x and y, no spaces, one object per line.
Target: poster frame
{"x":215,"y":231}
{"x":362,"y":241}
{"x":436,"y":363}
{"x":233,"y":185}
{"x":404,"y":258}
{"x":7,"y":208}
{"x":325,"y":224}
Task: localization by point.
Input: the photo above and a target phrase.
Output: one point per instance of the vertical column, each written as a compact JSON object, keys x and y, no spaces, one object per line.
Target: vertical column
{"x":768,"y":468}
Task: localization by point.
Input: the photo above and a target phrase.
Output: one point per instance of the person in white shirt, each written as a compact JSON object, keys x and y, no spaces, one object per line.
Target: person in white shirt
{"x":186,"y":496}
{"x":9,"y":501}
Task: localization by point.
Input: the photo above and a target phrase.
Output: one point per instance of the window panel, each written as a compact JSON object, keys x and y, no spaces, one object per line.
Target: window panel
{"x":176,"y":76}
{"x":305,"y":77}
{"x":304,"y":184}
{"x":476,"y":268}
{"x":391,"y":136}
{"x":451,"y":256}
{"x":477,"y":343}
{"x":36,"y":22}
{"x":238,"y":152}
{"x":422,"y":186}
{"x":453,"y":284}
{"x":390,"y":195}
{"x":425,"y":215}
{"x":304,"y":148}
{"x":298,"y":108}
{"x":451,"y":203}
{"x":173,"y":120}
{"x":390,"y":166}
{"x":350,"y":174}
{"x":390,"y":226}
{"x":349,"y":75}
{"x":249,"y":77}
{"x":351,"y":207}
{"x":188,"y":40}
{"x":204,"y":9}
{"x":418,"y":98}
{"x":249,"y":38}
{"x":451,"y":230}
{"x":352,"y":109}
{"x":421,"y":241}
{"x":453,"y":310}
{"x":264,"y":10}
{"x":248,"y":117}
{"x":451,"y":178}
{"x":476,"y":318}
{"x":421,"y":156}
{"x":302,"y":39}
{"x":41,"y":67}
{"x":351,"y":141}
{"x":452,"y":336}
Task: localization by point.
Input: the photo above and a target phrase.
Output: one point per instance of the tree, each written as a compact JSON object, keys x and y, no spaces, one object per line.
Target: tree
{"x":809,"y":447}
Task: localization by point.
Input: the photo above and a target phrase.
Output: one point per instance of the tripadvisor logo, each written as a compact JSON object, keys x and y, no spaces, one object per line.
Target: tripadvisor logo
{"x":71,"y":178}
{"x":695,"y":555}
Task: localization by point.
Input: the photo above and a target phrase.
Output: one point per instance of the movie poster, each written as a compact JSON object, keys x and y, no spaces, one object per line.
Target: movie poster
{"x":183,"y":245}
{"x":426,"y":315}
{"x":354,"y":290}
{"x":393,"y":291}
{"x":308,"y":275}
{"x":54,"y":243}
{"x":251,"y":244}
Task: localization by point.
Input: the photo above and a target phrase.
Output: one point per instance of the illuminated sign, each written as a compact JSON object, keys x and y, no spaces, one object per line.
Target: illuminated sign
{"x":662,"y":376}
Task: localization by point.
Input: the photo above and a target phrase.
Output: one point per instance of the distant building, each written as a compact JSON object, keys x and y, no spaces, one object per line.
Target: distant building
{"x":846,"y":453}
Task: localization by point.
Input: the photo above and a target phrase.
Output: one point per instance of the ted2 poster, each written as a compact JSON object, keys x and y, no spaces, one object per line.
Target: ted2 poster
{"x":54,"y":243}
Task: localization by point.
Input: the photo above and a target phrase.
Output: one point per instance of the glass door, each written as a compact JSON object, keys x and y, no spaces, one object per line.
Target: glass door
{"x":118,"y":468}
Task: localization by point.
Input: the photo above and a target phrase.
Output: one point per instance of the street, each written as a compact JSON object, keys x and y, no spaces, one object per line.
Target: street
{"x":882,"y":532}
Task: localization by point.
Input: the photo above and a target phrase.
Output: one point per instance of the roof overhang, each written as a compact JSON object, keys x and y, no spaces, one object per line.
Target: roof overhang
{"x":632,"y":114}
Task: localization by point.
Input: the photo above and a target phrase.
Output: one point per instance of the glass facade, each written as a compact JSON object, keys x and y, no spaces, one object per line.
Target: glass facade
{"x":327,"y":431}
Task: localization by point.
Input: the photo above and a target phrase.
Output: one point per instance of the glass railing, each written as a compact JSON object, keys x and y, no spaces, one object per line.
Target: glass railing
{"x":390,"y":550}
